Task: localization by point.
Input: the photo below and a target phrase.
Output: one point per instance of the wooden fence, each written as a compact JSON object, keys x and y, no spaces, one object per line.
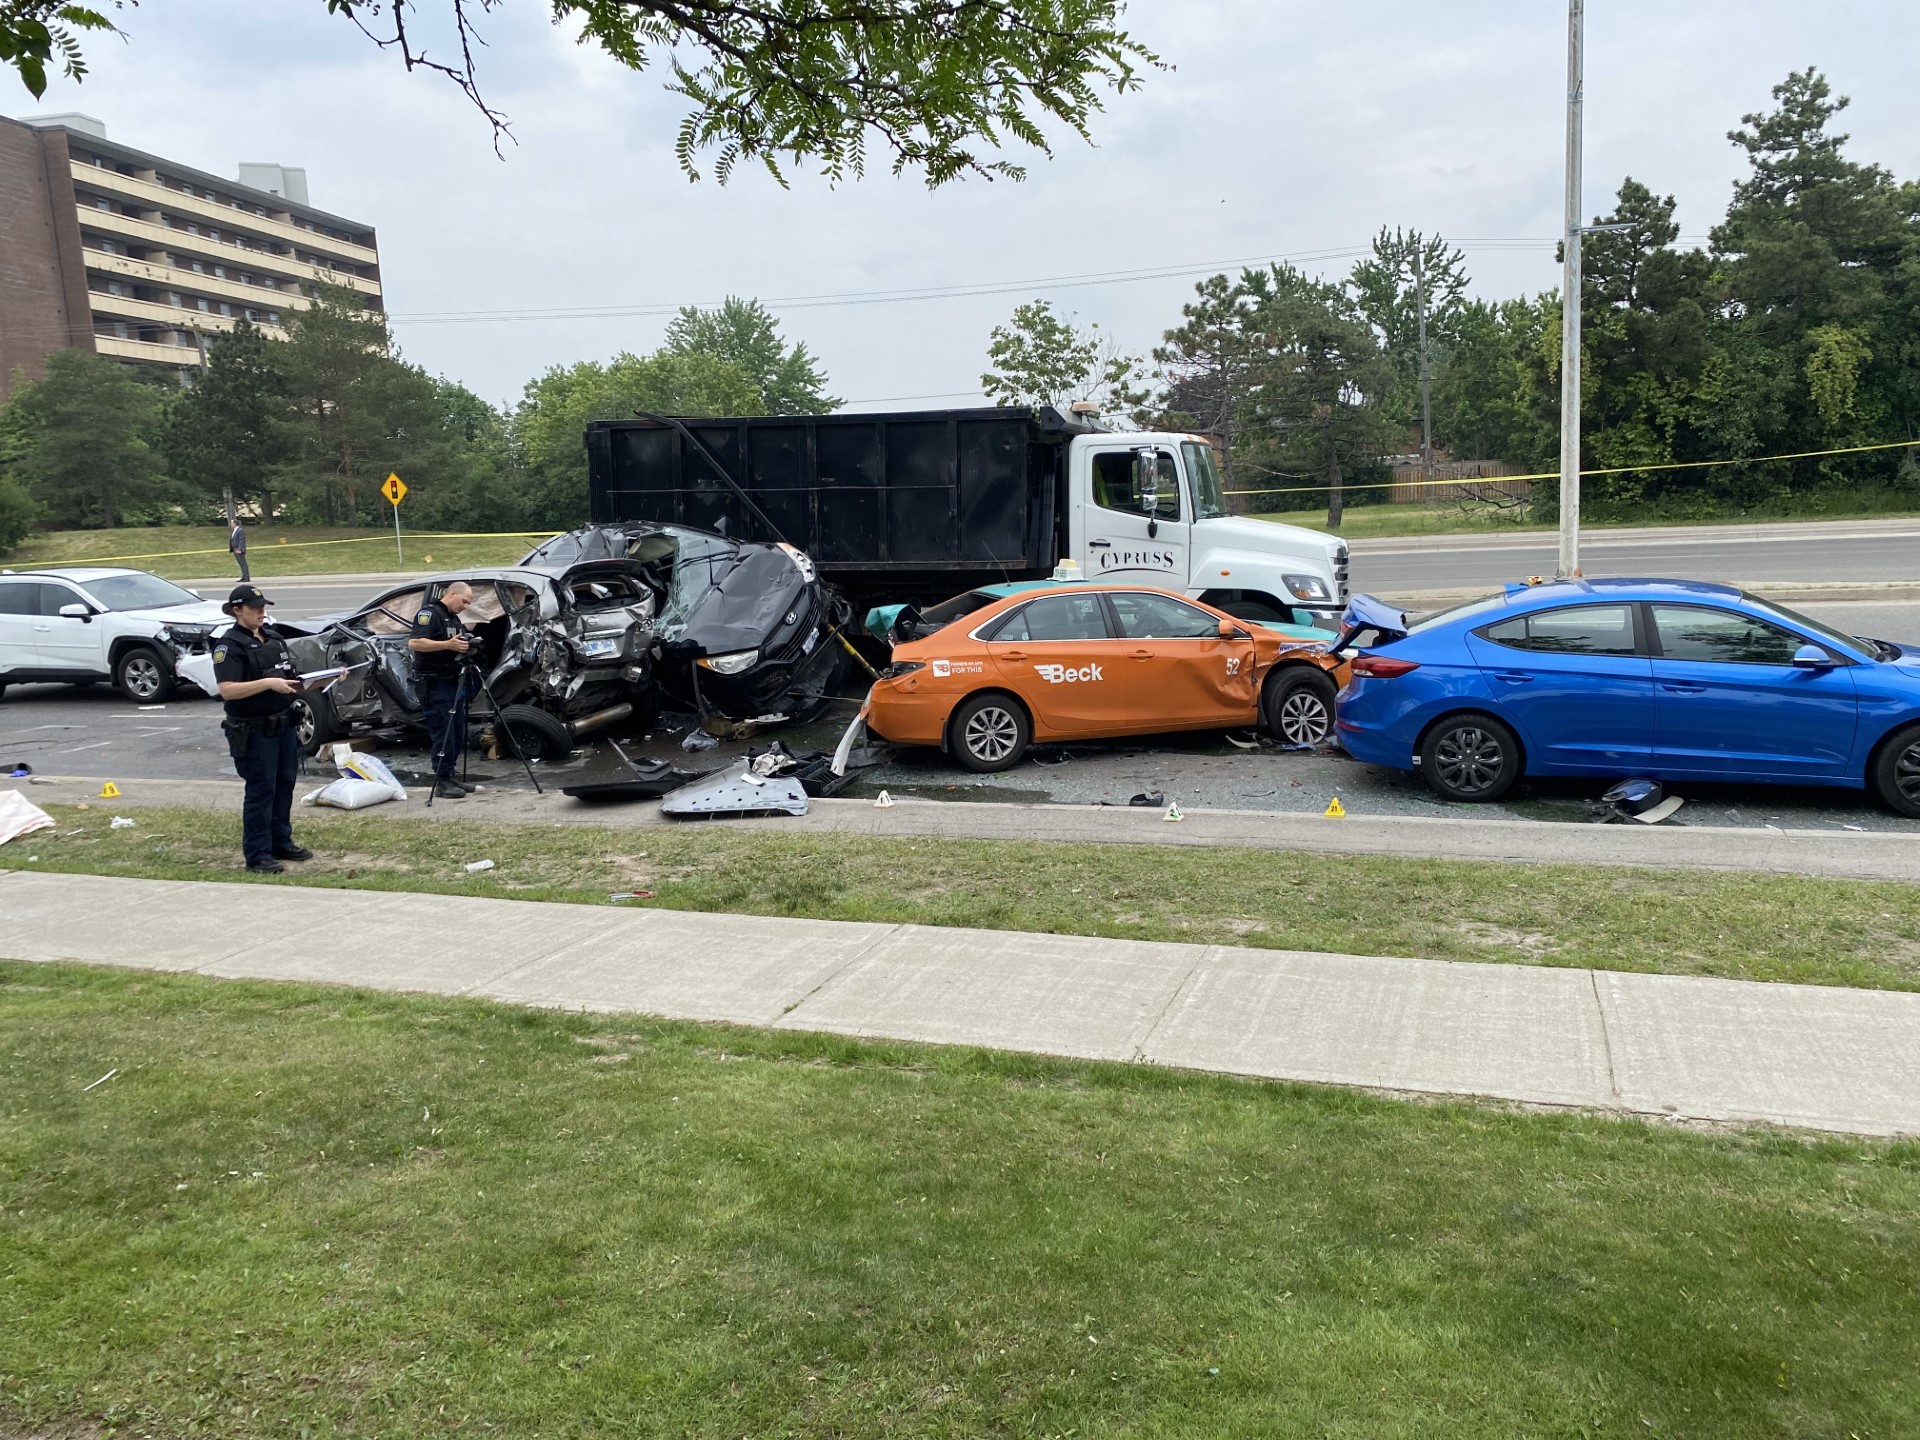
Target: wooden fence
{"x":1411,"y":488}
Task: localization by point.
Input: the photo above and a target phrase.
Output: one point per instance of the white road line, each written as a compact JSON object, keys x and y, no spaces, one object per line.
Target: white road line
{"x":77,"y":748}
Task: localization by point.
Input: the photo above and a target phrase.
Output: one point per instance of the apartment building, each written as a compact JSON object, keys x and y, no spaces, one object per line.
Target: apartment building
{"x":111,"y":249}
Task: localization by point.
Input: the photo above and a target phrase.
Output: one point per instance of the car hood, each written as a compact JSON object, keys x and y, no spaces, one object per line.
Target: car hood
{"x":1263,"y":537}
{"x":200,"y":612}
{"x":744,"y":608}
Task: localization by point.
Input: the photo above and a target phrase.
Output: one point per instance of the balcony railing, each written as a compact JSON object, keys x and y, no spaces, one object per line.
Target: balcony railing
{"x":150,"y":233}
{"x":162,"y":197}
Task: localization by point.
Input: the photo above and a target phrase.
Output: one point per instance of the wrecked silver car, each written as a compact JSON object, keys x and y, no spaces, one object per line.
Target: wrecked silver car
{"x":565,"y":650}
{"x":745,"y":630}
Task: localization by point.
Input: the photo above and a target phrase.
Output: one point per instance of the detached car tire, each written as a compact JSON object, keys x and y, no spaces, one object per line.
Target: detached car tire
{"x":144,"y":676}
{"x":1297,"y":705}
{"x":989,"y":732}
{"x":1470,"y":757}
{"x":534,"y":733}
{"x":1895,"y":774}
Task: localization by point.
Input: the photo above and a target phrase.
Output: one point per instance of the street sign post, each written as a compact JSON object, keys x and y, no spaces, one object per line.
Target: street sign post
{"x":396,"y":490}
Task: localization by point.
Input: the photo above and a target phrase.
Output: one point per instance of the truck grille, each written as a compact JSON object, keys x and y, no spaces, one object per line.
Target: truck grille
{"x":1340,"y":571}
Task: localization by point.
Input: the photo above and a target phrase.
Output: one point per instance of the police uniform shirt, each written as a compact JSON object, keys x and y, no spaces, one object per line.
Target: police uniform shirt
{"x":436,"y":622}
{"x":239,"y":657}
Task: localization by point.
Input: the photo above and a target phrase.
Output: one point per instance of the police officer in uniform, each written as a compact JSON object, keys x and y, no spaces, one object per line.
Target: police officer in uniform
{"x":258,"y":682}
{"x":440,"y":644}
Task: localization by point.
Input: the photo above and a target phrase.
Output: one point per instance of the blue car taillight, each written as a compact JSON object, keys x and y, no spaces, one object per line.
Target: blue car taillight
{"x":1383,"y":667}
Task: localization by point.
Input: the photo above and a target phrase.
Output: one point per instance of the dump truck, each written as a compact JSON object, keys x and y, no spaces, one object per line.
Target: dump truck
{"x":915,"y":506}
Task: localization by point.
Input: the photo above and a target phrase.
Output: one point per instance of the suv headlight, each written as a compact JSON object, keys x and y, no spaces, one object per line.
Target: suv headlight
{"x":1307,"y":587}
{"x":187,"y":637}
{"x":732,"y":664}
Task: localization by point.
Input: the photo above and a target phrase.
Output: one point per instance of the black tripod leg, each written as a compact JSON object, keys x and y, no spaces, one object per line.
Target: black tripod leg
{"x":513,"y":744}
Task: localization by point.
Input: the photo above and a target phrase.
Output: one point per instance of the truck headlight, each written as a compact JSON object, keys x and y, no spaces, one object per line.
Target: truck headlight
{"x":732,"y":664}
{"x":1307,"y":587}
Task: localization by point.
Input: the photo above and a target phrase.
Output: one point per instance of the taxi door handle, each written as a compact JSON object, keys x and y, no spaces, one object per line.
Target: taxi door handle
{"x":1140,"y":654}
{"x":1013,"y":654}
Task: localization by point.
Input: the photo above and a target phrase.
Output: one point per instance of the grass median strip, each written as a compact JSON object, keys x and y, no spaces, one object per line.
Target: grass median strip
{"x":299,"y":1210}
{"x":1756,"y":927}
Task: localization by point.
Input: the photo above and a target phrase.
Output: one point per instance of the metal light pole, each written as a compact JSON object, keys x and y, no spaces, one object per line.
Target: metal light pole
{"x":1570,"y":307}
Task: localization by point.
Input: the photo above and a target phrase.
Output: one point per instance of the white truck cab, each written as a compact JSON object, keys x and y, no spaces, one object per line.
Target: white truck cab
{"x":1148,"y":508}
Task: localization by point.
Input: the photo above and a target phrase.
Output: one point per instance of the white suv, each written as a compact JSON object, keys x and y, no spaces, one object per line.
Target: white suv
{"x":82,"y":626}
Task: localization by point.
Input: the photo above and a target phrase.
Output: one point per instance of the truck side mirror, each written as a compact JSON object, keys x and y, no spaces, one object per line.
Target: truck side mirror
{"x":1146,"y":487}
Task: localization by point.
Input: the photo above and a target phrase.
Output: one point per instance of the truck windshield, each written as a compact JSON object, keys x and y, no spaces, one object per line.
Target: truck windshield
{"x":1208,"y":502}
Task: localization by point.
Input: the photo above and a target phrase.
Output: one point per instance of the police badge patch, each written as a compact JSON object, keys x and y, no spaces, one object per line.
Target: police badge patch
{"x":219,"y":654}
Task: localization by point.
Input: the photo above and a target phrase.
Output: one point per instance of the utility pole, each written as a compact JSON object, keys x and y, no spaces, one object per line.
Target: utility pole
{"x":1570,"y":306}
{"x":1426,"y":386}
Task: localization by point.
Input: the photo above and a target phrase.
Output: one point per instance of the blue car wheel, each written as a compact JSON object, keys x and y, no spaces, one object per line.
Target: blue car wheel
{"x":1896,"y":772}
{"x":1470,"y":757}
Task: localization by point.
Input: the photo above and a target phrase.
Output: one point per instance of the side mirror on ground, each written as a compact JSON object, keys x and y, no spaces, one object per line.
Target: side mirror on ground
{"x":77,"y":611}
{"x":1812,"y":657}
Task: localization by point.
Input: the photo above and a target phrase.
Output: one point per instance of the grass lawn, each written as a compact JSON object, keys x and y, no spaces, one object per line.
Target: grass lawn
{"x":1751,"y":926}
{"x":198,"y":551}
{"x":296,"y":1211}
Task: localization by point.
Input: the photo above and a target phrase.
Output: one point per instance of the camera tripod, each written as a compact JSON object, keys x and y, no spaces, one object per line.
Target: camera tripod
{"x":472,"y":678}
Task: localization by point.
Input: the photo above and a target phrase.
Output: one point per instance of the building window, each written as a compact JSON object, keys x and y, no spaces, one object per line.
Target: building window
{"x":200,"y":302}
{"x":245,"y":278}
{"x":173,"y":298}
{"x":220,"y":271}
{"x":100,"y":204}
{"x":226,"y":309}
{"x":198,"y":268}
{"x":270,"y":283}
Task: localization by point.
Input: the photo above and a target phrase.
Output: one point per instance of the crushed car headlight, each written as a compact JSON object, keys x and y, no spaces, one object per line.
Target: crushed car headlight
{"x":732,"y":664}
{"x":800,"y":562}
{"x":600,"y":649}
{"x":189,"y":637}
{"x":1307,"y":587}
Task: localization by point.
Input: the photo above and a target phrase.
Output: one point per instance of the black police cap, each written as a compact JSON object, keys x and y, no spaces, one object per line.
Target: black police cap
{"x":245,"y":595}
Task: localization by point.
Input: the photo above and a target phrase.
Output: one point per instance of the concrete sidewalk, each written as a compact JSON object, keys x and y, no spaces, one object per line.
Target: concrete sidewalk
{"x":1840,"y":854}
{"x":1822,"y":1058}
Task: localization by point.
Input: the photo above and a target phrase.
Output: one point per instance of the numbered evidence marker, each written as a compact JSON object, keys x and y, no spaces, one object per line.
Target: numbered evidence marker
{"x":396,"y":490}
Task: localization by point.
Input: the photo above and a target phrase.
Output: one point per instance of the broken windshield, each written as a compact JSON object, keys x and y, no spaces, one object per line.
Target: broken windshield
{"x":700,"y":562}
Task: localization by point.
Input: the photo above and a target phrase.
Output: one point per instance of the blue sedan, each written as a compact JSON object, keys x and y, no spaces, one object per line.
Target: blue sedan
{"x":1667,"y":678}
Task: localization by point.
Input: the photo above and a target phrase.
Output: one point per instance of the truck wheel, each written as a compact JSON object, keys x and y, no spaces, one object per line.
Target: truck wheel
{"x":1470,"y":757}
{"x":989,"y":732}
{"x":1297,"y":705}
{"x":534,"y":733}
{"x":143,"y":676}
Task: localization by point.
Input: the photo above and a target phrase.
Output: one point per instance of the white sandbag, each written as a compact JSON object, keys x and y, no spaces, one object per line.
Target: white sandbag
{"x":371,"y":767}
{"x":20,"y":816}
{"x":350,"y":792}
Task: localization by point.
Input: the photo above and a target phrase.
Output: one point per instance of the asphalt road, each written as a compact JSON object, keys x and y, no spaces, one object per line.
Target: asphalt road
{"x":1819,"y":553}
{"x":59,"y":730}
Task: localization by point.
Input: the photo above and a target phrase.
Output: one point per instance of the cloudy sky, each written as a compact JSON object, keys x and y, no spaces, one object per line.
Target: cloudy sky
{"x":1285,"y":129}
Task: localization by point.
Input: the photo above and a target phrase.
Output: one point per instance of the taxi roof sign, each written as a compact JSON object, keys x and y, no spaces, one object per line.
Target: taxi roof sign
{"x":395,"y":489}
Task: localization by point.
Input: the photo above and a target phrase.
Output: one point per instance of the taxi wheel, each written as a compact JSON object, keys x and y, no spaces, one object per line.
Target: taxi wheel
{"x":989,"y":732}
{"x":1297,"y":705}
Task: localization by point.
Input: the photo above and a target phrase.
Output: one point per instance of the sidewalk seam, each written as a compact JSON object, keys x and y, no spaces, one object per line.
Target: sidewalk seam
{"x":1606,"y":1038}
{"x":834,"y":974}
{"x":1140,"y":1055}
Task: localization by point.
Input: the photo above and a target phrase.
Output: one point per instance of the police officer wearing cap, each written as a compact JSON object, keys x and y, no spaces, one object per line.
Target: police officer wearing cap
{"x":258,"y":682}
{"x":440,"y":644}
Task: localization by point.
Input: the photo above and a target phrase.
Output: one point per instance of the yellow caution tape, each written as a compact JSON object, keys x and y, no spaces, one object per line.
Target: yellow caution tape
{"x":1615,"y":470}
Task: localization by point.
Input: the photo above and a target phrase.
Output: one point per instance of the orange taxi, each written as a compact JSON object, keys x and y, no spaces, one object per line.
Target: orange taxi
{"x":1085,"y":662}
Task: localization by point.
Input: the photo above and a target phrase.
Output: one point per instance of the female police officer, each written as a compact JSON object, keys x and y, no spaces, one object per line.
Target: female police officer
{"x":258,"y":682}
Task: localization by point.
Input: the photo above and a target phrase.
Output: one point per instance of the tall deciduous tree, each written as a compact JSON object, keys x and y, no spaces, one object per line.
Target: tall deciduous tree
{"x":549,"y":424}
{"x":939,"y":86}
{"x":1042,"y":358}
{"x":80,"y":439}
{"x":742,"y":334}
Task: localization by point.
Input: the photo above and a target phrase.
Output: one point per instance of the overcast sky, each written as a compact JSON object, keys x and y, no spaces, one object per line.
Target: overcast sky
{"x":1286,"y":129}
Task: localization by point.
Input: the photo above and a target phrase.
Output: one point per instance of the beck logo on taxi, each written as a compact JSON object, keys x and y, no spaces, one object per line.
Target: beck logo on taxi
{"x":1061,"y":675}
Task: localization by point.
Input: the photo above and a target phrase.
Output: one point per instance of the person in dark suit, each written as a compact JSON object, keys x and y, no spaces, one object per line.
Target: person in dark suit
{"x":237,"y":543}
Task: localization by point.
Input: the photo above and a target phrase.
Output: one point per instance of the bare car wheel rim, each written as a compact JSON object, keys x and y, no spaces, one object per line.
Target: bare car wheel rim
{"x":1469,"y":760}
{"x":303,"y":723}
{"x":991,"y":734}
{"x":1303,"y":718}
{"x":1906,"y":773}
{"x":142,"y":676}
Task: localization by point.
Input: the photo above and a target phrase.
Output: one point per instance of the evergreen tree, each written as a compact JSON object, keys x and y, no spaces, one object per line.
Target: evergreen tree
{"x":80,"y":437}
{"x":229,"y":432}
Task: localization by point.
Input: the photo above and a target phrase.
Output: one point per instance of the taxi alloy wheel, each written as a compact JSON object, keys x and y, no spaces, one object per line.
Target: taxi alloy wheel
{"x":990,"y":732}
{"x":1470,"y":757}
{"x":1297,"y":705}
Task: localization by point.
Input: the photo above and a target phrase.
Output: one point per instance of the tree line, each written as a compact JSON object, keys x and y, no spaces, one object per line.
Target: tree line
{"x":303,"y":431}
{"x":1795,"y":329}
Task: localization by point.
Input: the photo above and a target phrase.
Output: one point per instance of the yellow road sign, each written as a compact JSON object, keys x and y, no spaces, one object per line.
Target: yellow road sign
{"x":395,"y":489}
